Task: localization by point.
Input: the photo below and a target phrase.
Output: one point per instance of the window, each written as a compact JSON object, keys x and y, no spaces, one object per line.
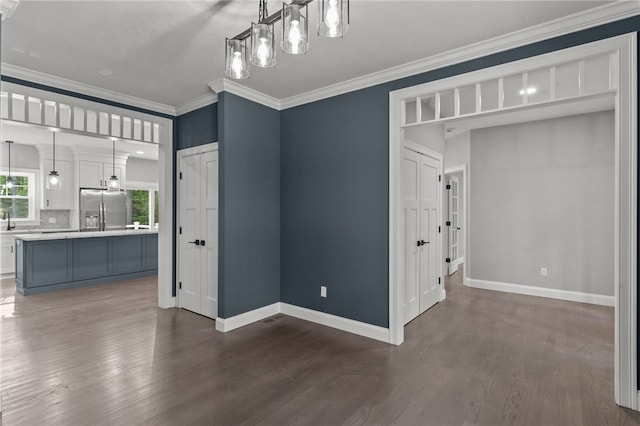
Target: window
{"x":19,"y":200}
{"x":142,"y":207}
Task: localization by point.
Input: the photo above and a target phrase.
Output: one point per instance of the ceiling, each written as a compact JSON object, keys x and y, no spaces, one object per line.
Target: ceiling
{"x":169,"y":51}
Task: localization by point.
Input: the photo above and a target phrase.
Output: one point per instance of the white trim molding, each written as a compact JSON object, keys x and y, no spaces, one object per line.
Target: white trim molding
{"x":227,"y":324}
{"x":197,"y":103}
{"x":226,"y":85}
{"x":334,"y":321}
{"x":85,"y":89}
{"x":345,"y":324}
{"x":549,"y":293}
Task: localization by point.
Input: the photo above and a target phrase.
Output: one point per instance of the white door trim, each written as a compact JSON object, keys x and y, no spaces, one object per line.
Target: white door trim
{"x":626,"y":197}
{"x":200,"y":149}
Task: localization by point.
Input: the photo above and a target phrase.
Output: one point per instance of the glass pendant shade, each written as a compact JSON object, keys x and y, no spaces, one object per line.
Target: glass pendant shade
{"x":237,"y":61}
{"x":263,"y":53}
{"x":333,"y":17}
{"x":295,"y":30}
{"x":114,"y":183}
{"x":53,"y":180}
{"x":9,"y":182}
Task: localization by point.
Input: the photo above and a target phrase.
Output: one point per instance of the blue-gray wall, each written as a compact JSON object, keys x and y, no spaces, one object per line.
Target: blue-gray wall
{"x":197,"y":127}
{"x":335,"y":188}
{"x":249,"y":259}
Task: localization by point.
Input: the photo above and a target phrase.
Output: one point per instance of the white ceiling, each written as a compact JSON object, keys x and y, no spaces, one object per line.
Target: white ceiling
{"x":168,"y":51}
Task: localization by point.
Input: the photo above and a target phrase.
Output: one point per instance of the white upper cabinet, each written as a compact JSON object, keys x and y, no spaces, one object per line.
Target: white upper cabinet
{"x":94,"y":174}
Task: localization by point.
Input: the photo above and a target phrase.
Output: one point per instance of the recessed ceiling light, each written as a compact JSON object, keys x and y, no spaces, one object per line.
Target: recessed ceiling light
{"x":105,"y":72}
{"x":140,"y":152}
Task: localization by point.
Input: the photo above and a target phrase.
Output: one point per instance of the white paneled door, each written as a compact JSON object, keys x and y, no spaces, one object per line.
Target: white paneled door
{"x":421,"y":201}
{"x":198,"y":235}
{"x":453,"y":225}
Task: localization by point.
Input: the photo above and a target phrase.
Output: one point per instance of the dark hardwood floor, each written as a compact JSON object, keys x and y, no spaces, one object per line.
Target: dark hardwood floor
{"x":108,"y":355}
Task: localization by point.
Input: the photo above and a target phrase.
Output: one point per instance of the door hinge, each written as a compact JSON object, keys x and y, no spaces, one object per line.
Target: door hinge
{"x":448,"y":260}
{"x":448,"y":223}
{"x":439,"y":229}
{"x":181,"y":230}
{"x":439,"y":282}
{"x":448,"y":186}
{"x":439,"y":178}
{"x":180,"y":285}
{"x":180,"y":175}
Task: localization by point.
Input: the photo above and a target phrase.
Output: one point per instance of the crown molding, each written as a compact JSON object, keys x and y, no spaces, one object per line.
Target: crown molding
{"x":196,"y":103}
{"x":85,"y":89}
{"x":225,"y":85}
{"x":558,"y":27}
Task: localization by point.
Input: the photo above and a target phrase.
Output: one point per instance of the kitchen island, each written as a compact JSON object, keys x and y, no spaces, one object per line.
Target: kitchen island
{"x":58,"y":261}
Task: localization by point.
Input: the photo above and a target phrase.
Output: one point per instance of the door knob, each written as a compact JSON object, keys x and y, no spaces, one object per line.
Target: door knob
{"x":459,"y":228}
{"x":196,"y":242}
{"x":422,"y":242}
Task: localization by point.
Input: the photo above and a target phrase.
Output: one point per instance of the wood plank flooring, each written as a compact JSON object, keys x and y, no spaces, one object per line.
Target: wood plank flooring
{"x":107,"y":355}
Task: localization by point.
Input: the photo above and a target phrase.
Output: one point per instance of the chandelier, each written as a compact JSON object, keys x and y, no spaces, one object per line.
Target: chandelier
{"x":333,"y":21}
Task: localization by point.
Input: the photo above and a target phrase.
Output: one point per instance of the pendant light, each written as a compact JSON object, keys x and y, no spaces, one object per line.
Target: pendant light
{"x":263,"y":52}
{"x":9,"y":181}
{"x":114,"y":183}
{"x":53,"y":180}
{"x":237,"y":63}
{"x":295,"y":30}
{"x":333,"y":17}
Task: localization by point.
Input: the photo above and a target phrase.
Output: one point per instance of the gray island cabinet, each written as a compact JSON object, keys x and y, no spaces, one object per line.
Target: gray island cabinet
{"x":49,"y":262}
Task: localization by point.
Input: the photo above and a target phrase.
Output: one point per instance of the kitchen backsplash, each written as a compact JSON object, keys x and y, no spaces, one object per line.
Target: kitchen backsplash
{"x":61,"y":217}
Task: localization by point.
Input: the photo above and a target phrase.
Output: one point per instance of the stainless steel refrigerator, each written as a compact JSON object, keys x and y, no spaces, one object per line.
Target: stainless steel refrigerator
{"x":102,"y":210}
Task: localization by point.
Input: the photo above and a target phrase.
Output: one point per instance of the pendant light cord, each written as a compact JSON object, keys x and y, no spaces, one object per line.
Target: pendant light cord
{"x":9,"y":142}
{"x":262,"y":11}
{"x":54,"y":151}
{"x":113,"y":164}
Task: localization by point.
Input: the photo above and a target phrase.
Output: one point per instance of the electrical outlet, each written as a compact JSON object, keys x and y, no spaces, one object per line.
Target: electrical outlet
{"x":543,"y":271}
{"x":323,"y":291}
{"x":52,"y":220}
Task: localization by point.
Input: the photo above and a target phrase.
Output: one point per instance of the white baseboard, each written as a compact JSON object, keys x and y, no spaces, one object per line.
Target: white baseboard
{"x":573,"y":296}
{"x":459,"y":261}
{"x":356,"y":327}
{"x":443,"y":294}
{"x":227,"y":324}
{"x":334,"y":321}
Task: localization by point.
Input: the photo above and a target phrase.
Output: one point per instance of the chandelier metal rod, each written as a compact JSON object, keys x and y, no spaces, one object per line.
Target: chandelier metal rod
{"x":273,"y":18}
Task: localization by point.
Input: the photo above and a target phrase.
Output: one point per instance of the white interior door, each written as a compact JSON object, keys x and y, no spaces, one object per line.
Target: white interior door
{"x":411,"y":225}
{"x":419,"y":222}
{"x":453,"y":225}
{"x":198,"y":238}
{"x":190,"y":271}
{"x":429,"y":250}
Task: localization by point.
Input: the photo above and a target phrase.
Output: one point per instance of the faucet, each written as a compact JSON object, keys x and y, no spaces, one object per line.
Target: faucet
{"x":7,"y":216}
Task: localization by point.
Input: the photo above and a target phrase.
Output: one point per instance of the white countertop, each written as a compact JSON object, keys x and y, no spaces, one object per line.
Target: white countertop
{"x":66,"y":235}
{"x":36,"y":231}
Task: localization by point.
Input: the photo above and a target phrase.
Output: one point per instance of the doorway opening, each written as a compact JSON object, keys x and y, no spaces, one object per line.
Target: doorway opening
{"x":412,"y":107}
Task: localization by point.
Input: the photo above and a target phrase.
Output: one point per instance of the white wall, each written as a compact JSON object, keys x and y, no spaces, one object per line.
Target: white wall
{"x":457,"y":150}
{"x":22,"y":156}
{"x":429,"y":136}
{"x":140,"y":170}
{"x":542,"y":195}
